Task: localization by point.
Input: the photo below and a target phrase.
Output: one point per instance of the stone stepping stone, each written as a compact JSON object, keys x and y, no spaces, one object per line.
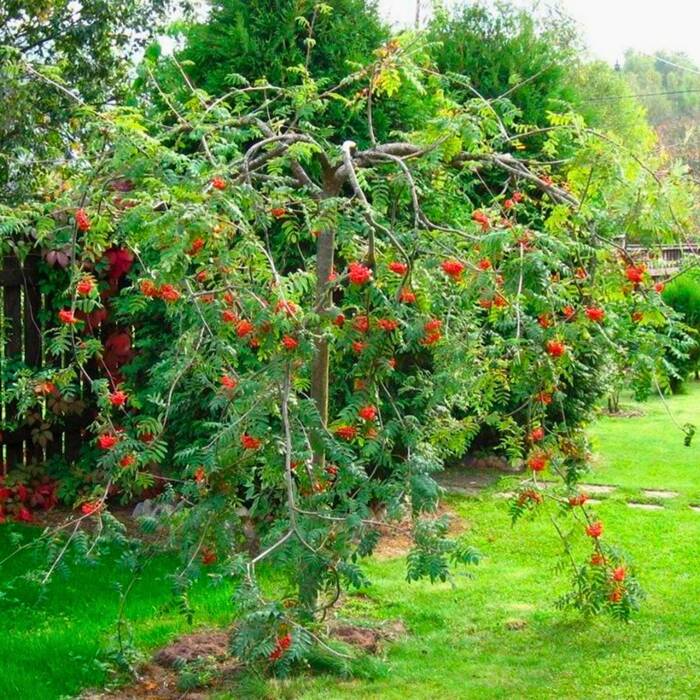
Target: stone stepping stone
{"x":505,"y":494}
{"x":695,"y":508}
{"x":598,"y":488}
{"x":463,"y":490}
{"x":645,"y":506}
{"x":660,"y":493}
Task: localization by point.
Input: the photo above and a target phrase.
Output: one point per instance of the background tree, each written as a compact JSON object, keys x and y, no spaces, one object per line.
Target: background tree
{"x":668,"y":85}
{"x":89,"y":46}
{"x":281,"y":41}
{"x":506,"y":50}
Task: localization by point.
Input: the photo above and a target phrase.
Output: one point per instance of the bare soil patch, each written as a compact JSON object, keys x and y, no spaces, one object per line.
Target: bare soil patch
{"x":158,"y":679}
{"x":368,"y":639}
{"x":396,"y":541}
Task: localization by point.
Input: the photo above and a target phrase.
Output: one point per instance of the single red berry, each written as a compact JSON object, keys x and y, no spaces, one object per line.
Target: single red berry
{"x":659,"y":287}
{"x":484,"y":264}
{"x":407,"y":296}
{"x":595,"y":530}
{"x":368,"y":413}
{"x":339,"y":320}
{"x":228,"y":382}
{"x":361,"y":324}
{"x":148,"y":289}
{"x":388,"y":324}
{"x":278,"y":212}
{"x":536,"y":434}
{"x":595,"y":314}
{"x":616,"y":595}
{"x":85,"y":286}
{"x":538,"y":462}
{"x":208,"y":556}
{"x":635,"y":273}
{"x":452,"y":268}
{"x":118,"y":398}
{"x":107,"y":441}
{"x":250,"y":443}
{"x":555,"y":348}
{"x":196,"y":246}
{"x":127,"y":461}
{"x":67,"y":317}
{"x":90,"y":507}
{"x":398,"y":268}
{"x":290,"y":343}
{"x":218,"y":183}
{"x":346,"y":432}
{"x":82,"y":221}
{"x":358,"y":273}
{"x":244,"y":327}
{"x":619,"y":574}
{"x":168,"y":293}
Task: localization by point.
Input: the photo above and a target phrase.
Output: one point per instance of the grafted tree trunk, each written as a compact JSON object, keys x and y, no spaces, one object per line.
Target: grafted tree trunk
{"x":325,"y":249}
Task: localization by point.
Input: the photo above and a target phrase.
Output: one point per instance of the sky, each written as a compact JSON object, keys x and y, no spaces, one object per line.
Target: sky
{"x":609,"y":27}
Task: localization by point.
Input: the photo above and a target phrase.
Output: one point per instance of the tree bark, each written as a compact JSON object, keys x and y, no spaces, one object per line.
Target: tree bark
{"x":325,"y":249}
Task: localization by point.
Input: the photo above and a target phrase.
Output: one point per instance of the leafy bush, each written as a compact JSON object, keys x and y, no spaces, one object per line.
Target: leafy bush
{"x":683,"y":295}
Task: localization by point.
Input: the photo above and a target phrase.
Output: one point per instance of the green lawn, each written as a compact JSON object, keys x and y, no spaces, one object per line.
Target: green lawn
{"x":54,"y":647}
{"x":496,"y":635}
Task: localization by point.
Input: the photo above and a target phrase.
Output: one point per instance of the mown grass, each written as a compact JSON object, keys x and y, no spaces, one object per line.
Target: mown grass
{"x":499,"y":635}
{"x":494,"y":635}
{"x":54,"y":645}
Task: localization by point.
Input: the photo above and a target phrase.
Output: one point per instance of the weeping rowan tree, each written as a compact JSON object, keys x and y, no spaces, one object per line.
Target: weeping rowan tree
{"x":310,"y":329}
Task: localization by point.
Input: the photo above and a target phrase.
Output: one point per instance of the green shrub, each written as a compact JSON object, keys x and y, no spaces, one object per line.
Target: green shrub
{"x":683,"y":295}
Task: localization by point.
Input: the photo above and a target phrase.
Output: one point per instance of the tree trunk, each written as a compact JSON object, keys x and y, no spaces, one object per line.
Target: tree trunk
{"x":325,"y":248}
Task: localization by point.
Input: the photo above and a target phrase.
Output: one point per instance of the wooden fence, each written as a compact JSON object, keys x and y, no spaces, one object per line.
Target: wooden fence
{"x":21,"y":335}
{"x":21,"y":338}
{"x":663,"y":261}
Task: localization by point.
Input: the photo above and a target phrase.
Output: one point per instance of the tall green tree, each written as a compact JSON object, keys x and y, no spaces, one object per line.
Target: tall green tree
{"x":503,"y":50}
{"x":280,"y":41}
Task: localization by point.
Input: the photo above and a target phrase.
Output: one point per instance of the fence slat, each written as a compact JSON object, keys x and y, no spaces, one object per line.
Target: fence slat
{"x":12,"y":307}
{"x":32,"y":335}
